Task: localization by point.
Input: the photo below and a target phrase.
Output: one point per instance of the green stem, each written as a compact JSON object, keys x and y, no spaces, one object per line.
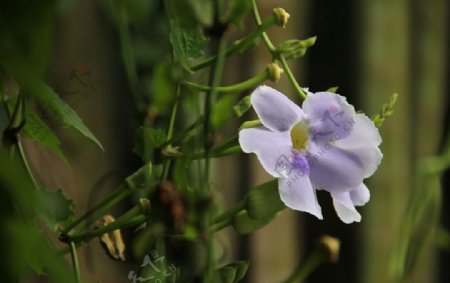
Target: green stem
{"x":276,"y":55}
{"x":76,"y":265}
{"x":127,"y":58}
{"x":229,"y":147}
{"x":313,"y":261}
{"x":291,"y":77}
{"x":252,"y":82}
{"x":181,"y":135}
{"x":120,"y":223}
{"x":26,"y":164}
{"x":173,"y":115}
{"x":226,"y":218}
{"x":257,"y":17}
{"x":240,"y":45}
{"x":122,"y":192}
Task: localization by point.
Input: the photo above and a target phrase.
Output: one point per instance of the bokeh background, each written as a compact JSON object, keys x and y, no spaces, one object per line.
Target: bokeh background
{"x":369,"y":49}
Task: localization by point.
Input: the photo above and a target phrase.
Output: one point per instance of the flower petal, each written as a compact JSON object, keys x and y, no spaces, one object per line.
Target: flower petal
{"x":271,"y":148}
{"x":334,"y":169}
{"x":297,"y":192}
{"x":274,"y":109}
{"x":364,"y":134}
{"x":345,"y":208}
{"x":329,"y":115}
{"x":360,"y":196}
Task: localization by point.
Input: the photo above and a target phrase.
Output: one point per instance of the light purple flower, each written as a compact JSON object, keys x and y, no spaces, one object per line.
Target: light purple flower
{"x":324,"y":145}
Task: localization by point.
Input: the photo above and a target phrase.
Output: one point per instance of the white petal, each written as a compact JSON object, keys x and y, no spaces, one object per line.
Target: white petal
{"x":297,"y":193}
{"x":329,"y":115}
{"x":363,"y":135}
{"x":360,"y":196}
{"x":274,"y":109}
{"x":345,"y":208}
{"x":271,"y":148}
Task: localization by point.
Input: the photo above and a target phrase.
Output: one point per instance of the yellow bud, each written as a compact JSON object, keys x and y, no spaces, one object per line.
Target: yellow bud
{"x":274,"y":72}
{"x":281,"y":16}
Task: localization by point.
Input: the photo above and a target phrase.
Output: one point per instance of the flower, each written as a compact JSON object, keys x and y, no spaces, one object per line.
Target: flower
{"x":324,"y":145}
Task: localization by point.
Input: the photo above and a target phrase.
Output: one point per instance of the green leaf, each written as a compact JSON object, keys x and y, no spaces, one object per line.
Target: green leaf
{"x":226,"y":274}
{"x":187,"y":42}
{"x":263,"y":202}
{"x":239,"y":10}
{"x":37,"y":130}
{"x":163,"y":87}
{"x":221,"y":113}
{"x":56,"y":209}
{"x":243,"y":106}
{"x":240,"y":269}
{"x":250,"y":124}
{"x":53,"y":105}
{"x":333,"y":89}
{"x":146,"y":141}
{"x":244,"y":224}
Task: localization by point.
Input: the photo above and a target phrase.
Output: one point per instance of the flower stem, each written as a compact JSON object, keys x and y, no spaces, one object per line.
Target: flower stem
{"x":257,"y":17}
{"x":122,"y":192}
{"x":120,"y":223}
{"x":173,"y":115}
{"x":76,"y":265}
{"x":254,"y":81}
{"x":184,"y":132}
{"x":239,"y":45}
{"x":314,"y":260}
{"x":226,"y":218}
{"x":291,"y":77}
{"x":276,"y":54}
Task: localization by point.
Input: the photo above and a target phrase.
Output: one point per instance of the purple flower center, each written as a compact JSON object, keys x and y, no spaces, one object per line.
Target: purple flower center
{"x":299,"y":162}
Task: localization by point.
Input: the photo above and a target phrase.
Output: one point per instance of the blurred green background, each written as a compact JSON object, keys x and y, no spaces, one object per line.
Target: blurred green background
{"x":370,"y":49}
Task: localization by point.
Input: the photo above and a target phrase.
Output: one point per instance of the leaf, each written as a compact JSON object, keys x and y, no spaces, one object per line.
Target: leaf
{"x":37,"y":130}
{"x":187,"y":42}
{"x":250,"y":124}
{"x":163,"y":87}
{"x":263,"y":202}
{"x":243,"y":224}
{"x":56,"y":209}
{"x":221,"y":113}
{"x":146,"y":141}
{"x":226,"y":274}
{"x":243,"y":106}
{"x":333,"y":89}
{"x":239,"y":10}
{"x":53,"y":105}
{"x":239,"y":269}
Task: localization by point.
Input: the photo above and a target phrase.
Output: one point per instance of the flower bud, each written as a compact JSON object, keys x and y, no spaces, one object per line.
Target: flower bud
{"x":330,"y":246}
{"x":274,"y":72}
{"x":281,"y":16}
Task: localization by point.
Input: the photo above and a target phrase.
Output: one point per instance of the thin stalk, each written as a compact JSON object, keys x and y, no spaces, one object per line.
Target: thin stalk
{"x":226,"y":218}
{"x":313,"y":261}
{"x":291,"y":77}
{"x":173,"y":115}
{"x":230,"y":213}
{"x":118,"y":224}
{"x":184,"y":132}
{"x":26,"y":164}
{"x":76,"y":265}
{"x":240,"y":44}
{"x":276,"y":54}
{"x":127,"y":58}
{"x":122,"y":192}
{"x":254,"y":81}
{"x":257,"y":17}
